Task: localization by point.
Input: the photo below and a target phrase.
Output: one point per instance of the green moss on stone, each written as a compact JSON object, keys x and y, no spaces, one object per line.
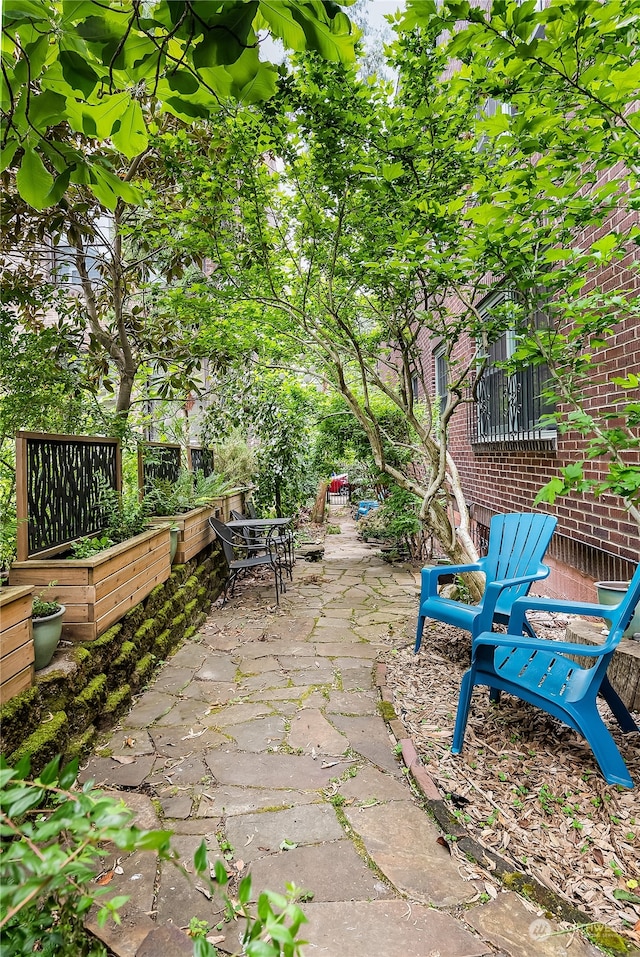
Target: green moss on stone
{"x":162,"y":644}
{"x":81,"y":657}
{"x":89,"y":703}
{"x":189,"y":632}
{"x":143,"y":670}
{"x":19,"y":717}
{"x":178,"y":624}
{"x":58,"y":688}
{"x":134,"y":618}
{"x":117,"y":703}
{"x":180,"y":574}
{"x":190,"y":608}
{"x":166,"y":613}
{"x":155,"y":600}
{"x":47,"y":741}
{"x":80,"y":744}
{"x":144,"y":636}
{"x":124,"y":665}
{"x":387,"y":711}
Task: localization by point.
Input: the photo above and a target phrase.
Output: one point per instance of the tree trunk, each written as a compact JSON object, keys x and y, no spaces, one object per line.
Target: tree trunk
{"x":317,"y":515}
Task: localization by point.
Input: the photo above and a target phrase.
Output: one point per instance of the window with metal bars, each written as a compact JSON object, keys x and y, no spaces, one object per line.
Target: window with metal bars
{"x":510,"y":406}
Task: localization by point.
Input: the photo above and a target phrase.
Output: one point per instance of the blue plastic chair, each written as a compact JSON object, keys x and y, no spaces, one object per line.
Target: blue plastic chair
{"x":545,"y":673}
{"x":365,"y":506}
{"x":517,"y":544}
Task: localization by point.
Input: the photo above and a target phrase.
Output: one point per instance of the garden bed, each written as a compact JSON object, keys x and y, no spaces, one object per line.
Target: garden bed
{"x":86,"y":687}
{"x":99,"y":590}
{"x":194,"y":531}
{"x":16,"y":641}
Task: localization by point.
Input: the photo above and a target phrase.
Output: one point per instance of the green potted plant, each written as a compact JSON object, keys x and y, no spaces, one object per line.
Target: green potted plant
{"x":46,"y":620}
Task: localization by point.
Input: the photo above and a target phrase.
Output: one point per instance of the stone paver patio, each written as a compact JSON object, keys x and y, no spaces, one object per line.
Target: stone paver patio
{"x":262,"y":737}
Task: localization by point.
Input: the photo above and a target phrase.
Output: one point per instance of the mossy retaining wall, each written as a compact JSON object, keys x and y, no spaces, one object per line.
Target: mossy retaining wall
{"x":86,"y":691}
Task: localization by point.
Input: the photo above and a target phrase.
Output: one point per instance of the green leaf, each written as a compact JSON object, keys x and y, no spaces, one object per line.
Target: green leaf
{"x":200,"y":859}
{"x":244,"y":890}
{"x":221,"y":875}
{"x":622,"y":895}
{"x":220,"y":47}
{"x":131,"y":137}
{"x":202,"y":948}
{"x":50,"y":773}
{"x":33,"y":180}
{"x":7,"y":154}
{"x":78,"y":72}
{"x":392,"y":171}
{"x":5,"y":776}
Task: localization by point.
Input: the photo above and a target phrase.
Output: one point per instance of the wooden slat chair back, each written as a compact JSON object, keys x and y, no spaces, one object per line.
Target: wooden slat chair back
{"x":545,"y":673}
{"x":517,"y":543}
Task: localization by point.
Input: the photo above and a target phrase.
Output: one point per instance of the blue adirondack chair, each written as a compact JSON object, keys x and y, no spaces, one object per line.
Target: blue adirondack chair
{"x":545,"y":673}
{"x":517,"y":544}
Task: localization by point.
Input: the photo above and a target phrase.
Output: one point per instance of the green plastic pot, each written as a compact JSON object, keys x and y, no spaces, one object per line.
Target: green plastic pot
{"x":612,"y":593}
{"x":46,"y":635}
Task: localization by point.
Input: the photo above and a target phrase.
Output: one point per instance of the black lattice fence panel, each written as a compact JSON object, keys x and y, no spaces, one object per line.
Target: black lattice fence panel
{"x":61,"y":482}
{"x":158,"y":462}
{"x":201,"y":460}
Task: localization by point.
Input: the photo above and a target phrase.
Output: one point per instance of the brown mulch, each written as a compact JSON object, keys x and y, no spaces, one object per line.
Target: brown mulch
{"x":525,"y":785}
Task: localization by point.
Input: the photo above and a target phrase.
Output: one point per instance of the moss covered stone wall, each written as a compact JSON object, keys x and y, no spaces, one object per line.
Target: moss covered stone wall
{"x":69,"y":705}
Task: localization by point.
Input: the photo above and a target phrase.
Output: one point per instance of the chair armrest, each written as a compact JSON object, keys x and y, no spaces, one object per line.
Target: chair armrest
{"x":528,"y":603}
{"x":493,"y":590}
{"x":492,"y":593}
{"x":430,"y":576}
{"x":537,"y":644}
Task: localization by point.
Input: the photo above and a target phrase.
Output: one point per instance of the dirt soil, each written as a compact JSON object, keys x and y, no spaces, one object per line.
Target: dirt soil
{"x":525,"y":785}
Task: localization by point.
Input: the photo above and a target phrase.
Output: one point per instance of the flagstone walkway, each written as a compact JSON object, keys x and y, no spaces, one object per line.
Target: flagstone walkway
{"x":263,"y":737}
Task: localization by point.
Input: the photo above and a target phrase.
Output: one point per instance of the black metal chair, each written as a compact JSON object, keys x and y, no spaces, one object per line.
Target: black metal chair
{"x":281,"y":539}
{"x":231,"y":547}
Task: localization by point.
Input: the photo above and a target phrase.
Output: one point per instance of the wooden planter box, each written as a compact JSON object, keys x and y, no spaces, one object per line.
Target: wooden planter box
{"x":194,"y":531}
{"x":98,"y":591}
{"x":234,"y":500}
{"x":16,"y":641}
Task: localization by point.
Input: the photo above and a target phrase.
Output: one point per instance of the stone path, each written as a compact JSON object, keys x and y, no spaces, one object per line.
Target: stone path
{"x":262,"y":736}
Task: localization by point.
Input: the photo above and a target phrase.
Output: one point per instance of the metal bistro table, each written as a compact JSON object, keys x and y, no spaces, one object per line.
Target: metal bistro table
{"x":277,"y":534}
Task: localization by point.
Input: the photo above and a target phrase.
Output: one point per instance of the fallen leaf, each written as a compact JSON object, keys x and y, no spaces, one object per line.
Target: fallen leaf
{"x":239,"y":865}
{"x":204,"y":890}
{"x":105,"y":878}
{"x":329,"y":764}
{"x":216,"y":940}
{"x":123,"y":758}
{"x":443,"y":843}
{"x":249,"y":839}
{"x":598,"y":856}
{"x":129,"y":742}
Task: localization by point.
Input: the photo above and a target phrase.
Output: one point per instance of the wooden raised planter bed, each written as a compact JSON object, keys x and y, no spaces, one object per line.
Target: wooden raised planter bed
{"x":100,"y":590}
{"x":16,"y":641}
{"x":194,"y":531}
{"x":223,"y":505}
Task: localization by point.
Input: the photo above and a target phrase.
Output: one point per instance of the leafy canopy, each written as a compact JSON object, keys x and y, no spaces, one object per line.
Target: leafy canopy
{"x":88,"y":67}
